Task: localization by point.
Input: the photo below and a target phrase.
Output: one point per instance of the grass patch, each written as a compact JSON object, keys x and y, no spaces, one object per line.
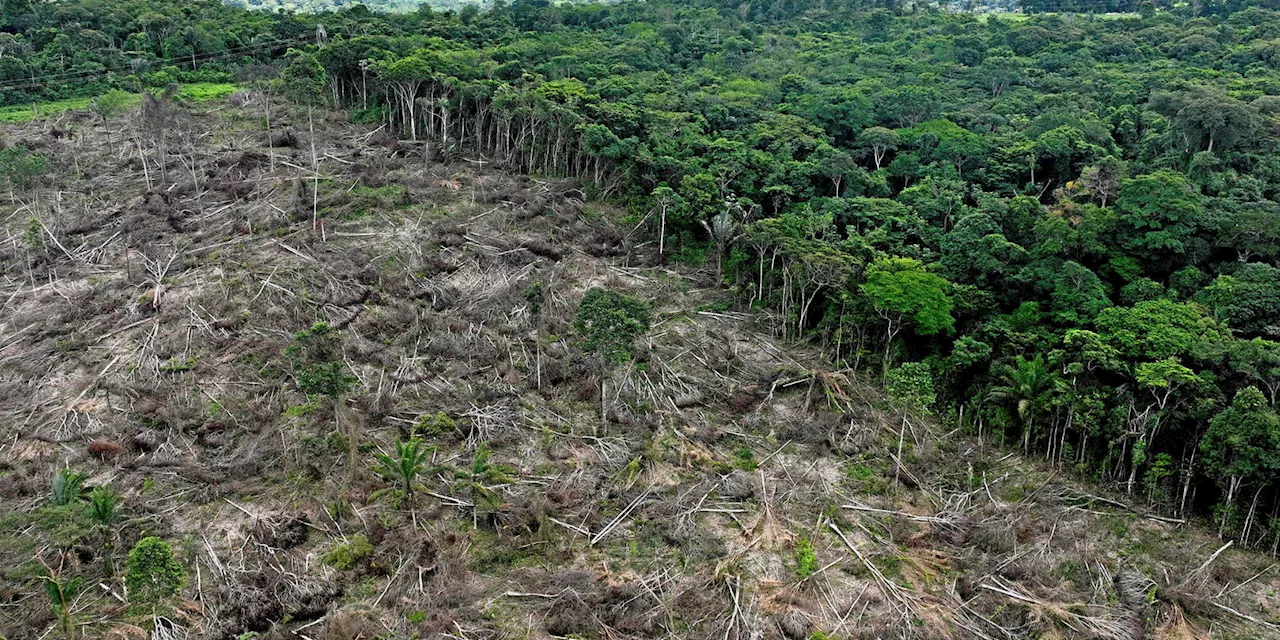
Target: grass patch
{"x":364,"y":201}
{"x":207,"y":91}
{"x":195,"y":92}
{"x":25,"y":113}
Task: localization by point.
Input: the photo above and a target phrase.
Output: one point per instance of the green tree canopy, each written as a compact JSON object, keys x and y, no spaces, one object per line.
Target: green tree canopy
{"x":1158,"y":329}
{"x":902,"y":289}
{"x":609,"y":322}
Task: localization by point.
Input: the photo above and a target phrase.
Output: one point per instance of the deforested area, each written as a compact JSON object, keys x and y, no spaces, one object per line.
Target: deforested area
{"x":638,"y":320}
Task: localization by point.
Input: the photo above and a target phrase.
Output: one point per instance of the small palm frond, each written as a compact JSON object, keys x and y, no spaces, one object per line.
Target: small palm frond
{"x":68,"y":486}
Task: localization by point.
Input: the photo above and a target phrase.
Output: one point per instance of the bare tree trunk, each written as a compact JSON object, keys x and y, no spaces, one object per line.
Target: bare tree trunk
{"x":315,"y":173}
{"x":1186,"y":481}
{"x":271,"y":150}
{"x":1248,"y":521}
{"x":662,"y":232}
{"x":146,"y":171}
{"x":1232,"y":485}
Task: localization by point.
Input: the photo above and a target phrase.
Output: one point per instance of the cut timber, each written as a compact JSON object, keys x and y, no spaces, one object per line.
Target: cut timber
{"x":909,"y":516}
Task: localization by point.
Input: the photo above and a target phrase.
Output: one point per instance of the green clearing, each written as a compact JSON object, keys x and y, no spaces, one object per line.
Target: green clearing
{"x":196,"y":92}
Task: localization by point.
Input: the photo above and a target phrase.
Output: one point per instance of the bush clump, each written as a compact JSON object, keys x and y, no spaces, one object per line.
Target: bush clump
{"x":608,"y":323}
{"x":152,"y":574}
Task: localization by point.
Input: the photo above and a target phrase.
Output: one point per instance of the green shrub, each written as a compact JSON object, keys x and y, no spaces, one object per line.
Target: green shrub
{"x":867,"y":479}
{"x":177,"y":365}
{"x":20,"y":167}
{"x":216,"y":87}
{"x":152,"y":574}
{"x":371,"y":115}
{"x":112,"y":103}
{"x":318,"y":368}
{"x":33,"y":236}
{"x":534,"y":295}
{"x":806,"y":559}
{"x":299,"y":410}
{"x":691,"y":253}
{"x":911,"y":384}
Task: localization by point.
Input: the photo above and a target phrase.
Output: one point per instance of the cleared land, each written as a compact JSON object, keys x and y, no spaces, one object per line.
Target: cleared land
{"x":725,"y":484}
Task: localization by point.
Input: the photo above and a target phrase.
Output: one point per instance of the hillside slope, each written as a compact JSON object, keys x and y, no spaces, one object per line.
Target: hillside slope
{"x":727,"y":484}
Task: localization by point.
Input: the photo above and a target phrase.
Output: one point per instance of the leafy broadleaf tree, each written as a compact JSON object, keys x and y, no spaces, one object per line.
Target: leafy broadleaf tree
{"x":607,"y":324}
{"x":303,"y":79}
{"x":875,"y":142}
{"x":1242,"y":448}
{"x":1169,"y":383}
{"x":1159,"y":215}
{"x":902,"y":291}
{"x":1078,"y":295}
{"x":1259,"y":361}
{"x":1157,"y":329}
{"x":1248,"y":299}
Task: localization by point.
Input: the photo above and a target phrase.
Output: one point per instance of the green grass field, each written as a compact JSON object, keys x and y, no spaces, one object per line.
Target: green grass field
{"x":197,"y":92}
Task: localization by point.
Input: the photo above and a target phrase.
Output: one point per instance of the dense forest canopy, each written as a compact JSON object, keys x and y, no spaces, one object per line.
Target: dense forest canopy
{"x":1069,"y":224}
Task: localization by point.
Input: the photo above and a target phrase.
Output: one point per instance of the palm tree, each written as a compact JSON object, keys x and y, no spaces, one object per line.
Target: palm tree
{"x":104,"y":512}
{"x":480,"y":480}
{"x":68,"y":487}
{"x":1027,"y":385}
{"x":404,"y":467}
{"x":62,"y":592}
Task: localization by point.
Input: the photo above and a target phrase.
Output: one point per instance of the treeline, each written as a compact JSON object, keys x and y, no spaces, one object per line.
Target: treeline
{"x":1063,"y":224}
{"x":1063,"y":228}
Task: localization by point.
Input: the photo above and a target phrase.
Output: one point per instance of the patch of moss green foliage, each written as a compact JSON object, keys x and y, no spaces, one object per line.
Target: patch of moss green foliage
{"x":306,"y":408}
{"x":152,"y":574}
{"x":347,"y":555}
{"x":434,"y":424}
